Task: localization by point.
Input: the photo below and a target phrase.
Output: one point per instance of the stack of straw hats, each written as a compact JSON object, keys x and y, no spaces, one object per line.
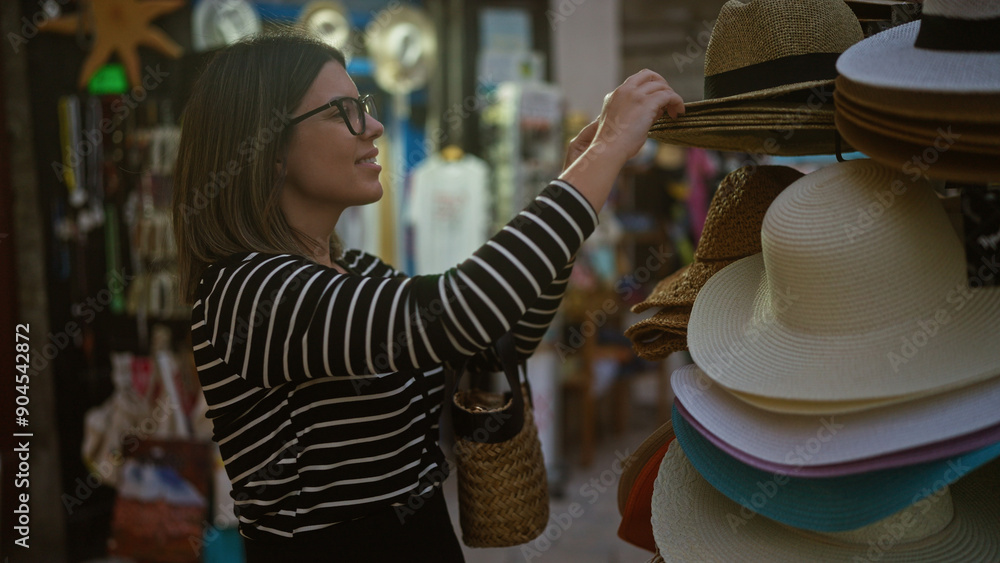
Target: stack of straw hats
{"x":926,"y":95}
{"x":843,"y":400}
{"x":769,"y":77}
{"x":731,"y":231}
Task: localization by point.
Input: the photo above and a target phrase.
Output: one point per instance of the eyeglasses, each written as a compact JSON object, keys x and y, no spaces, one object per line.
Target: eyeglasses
{"x":351,"y":110}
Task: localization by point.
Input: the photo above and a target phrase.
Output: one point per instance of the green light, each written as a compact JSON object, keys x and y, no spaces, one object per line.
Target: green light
{"x":109,"y":79}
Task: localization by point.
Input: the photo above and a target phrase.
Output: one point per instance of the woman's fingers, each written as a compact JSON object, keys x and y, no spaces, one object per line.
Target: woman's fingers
{"x":674,"y":104}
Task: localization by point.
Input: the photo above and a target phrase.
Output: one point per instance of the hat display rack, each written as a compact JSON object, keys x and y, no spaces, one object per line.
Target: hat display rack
{"x":843,"y":400}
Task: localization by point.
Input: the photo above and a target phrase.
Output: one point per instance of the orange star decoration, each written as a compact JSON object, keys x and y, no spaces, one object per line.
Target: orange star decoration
{"x":118,"y":26}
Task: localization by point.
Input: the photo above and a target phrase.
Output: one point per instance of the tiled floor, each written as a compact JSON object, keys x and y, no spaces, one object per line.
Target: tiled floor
{"x":591,"y":537}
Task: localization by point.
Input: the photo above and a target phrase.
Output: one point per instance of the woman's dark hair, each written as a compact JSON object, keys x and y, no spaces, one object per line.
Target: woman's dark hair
{"x":227,"y":182}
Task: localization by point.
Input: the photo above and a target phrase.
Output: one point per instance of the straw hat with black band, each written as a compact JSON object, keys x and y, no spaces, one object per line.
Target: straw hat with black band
{"x":764,"y":64}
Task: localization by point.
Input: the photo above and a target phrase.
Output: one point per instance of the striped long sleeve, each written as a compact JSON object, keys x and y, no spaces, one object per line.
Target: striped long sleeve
{"x":325,"y":388}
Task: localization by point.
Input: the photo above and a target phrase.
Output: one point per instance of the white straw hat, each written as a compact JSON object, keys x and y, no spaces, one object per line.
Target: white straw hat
{"x":860,"y":293}
{"x":954,"y":47}
{"x":694,"y":522}
{"x":810,"y":441}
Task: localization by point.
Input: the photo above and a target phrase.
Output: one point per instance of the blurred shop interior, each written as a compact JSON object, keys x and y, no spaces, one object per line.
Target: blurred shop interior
{"x":479,"y":100}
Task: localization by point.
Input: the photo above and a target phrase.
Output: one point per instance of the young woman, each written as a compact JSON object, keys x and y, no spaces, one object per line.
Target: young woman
{"x":324,"y":369}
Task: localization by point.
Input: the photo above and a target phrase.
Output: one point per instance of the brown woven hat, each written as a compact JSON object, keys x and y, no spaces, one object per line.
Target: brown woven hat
{"x":764,"y":48}
{"x":791,"y":139}
{"x":665,"y":344}
{"x":731,"y":232}
{"x":679,"y":288}
{"x":774,"y":51}
{"x":662,"y":334}
{"x":734,"y":116}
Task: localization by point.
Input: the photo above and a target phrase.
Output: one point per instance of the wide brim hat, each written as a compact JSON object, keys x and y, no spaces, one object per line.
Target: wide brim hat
{"x":954,"y":49}
{"x":635,"y":487}
{"x":633,"y":465}
{"x":920,"y":454}
{"x":778,"y":139}
{"x":797,"y":452}
{"x":788,"y":406}
{"x":832,"y":504}
{"x":950,"y":134}
{"x":935,"y":158}
{"x":826,"y":445}
{"x":769,"y":69}
{"x":905,"y":104}
{"x":692,"y":521}
{"x":860,"y":295}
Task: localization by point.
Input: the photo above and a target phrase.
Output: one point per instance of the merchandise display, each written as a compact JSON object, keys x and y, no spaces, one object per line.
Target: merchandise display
{"x":842,"y":400}
{"x":769,"y":77}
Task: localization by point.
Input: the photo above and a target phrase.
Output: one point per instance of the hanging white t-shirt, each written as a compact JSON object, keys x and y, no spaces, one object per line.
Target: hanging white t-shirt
{"x":449,"y":211}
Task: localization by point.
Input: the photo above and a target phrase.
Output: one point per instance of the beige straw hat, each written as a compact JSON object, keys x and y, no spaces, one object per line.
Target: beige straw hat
{"x":769,"y":70}
{"x":694,"y":522}
{"x":860,"y":294}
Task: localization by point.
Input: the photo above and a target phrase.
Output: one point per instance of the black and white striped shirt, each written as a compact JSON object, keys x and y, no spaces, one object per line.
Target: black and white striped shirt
{"x":325,"y":388}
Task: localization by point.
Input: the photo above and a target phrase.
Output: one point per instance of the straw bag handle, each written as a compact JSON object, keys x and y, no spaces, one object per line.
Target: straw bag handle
{"x":491,"y":426}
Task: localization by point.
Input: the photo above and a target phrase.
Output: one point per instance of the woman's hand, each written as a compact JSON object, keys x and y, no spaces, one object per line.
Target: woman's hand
{"x":630,"y":111}
{"x":596,"y":155}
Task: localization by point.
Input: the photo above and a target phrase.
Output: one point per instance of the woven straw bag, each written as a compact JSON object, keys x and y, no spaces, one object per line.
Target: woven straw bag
{"x":502,"y":486}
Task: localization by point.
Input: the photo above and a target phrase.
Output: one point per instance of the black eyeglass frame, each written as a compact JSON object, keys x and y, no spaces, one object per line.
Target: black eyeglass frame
{"x":364,"y":104}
